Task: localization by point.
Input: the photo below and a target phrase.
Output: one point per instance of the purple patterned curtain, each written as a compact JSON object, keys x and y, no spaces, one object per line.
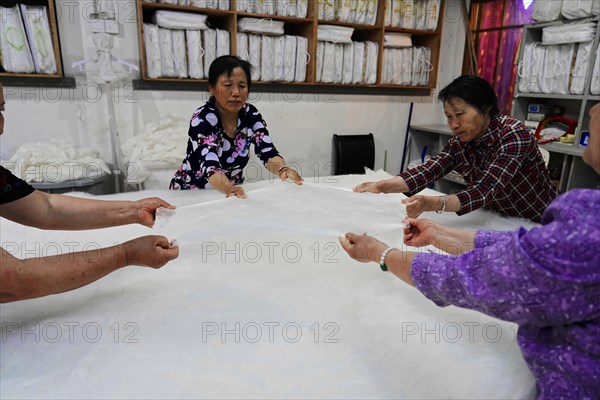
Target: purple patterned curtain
{"x":497,"y":47}
{"x":517,"y":12}
{"x":491,"y":14}
{"x":506,"y":70}
{"x":486,"y":55}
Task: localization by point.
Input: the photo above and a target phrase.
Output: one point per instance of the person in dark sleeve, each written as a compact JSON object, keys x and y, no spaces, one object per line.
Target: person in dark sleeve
{"x":41,"y":276}
{"x":547,"y":280}
{"x":495,"y":154}
{"x":222,"y":131}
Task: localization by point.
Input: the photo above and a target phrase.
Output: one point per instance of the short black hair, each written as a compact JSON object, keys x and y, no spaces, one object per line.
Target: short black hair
{"x":226,"y":65}
{"x":473,"y":90}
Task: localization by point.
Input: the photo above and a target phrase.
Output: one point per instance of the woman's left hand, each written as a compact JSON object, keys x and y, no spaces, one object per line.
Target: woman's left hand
{"x":362,"y":248}
{"x":290,"y":173}
{"x":416,"y":205}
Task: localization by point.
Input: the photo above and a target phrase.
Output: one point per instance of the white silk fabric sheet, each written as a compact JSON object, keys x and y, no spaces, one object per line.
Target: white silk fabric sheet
{"x":261,"y":303}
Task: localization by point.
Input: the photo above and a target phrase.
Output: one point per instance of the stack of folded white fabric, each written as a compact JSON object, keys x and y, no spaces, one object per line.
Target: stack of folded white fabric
{"x":348,"y":63}
{"x":406,"y":66}
{"x":530,"y":68}
{"x":413,"y":14}
{"x":179,"y":20}
{"x":569,"y":33}
{"x":397,"y":40}
{"x":280,"y":58}
{"x":284,"y":8}
{"x":261,"y":26}
{"x":580,"y":68}
{"x":334,"y":33}
{"x":159,"y":141}
{"x":40,"y":39}
{"x":351,"y":11}
{"x":595,"y":84}
{"x":183,"y":53}
{"x":56,"y":162}
{"x":26,"y":48}
{"x":551,"y":10}
{"x":213,"y":4}
{"x":554,"y":69}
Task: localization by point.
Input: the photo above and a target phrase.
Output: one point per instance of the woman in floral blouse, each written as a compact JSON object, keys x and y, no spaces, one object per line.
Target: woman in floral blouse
{"x":221,"y":132}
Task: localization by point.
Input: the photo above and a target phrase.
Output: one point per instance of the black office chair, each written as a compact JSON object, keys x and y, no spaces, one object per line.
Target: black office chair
{"x":352,"y":153}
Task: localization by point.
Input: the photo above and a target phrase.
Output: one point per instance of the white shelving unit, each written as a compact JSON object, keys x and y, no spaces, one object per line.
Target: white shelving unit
{"x":565,"y":159}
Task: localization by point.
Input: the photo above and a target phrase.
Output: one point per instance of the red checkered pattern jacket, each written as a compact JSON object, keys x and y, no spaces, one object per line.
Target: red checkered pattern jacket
{"x":504,"y":171}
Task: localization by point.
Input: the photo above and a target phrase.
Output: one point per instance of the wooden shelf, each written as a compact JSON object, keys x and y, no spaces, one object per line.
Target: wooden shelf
{"x":30,"y":80}
{"x":284,"y":87}
{"x":308,"y":28}
{"x":54,"y":80}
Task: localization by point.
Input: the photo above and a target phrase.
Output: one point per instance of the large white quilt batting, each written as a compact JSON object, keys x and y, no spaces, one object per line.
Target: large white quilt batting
{"x":262,"y":303}
{"x":319,"y":211}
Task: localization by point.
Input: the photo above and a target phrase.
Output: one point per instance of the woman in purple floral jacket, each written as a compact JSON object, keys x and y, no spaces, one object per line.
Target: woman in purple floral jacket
{"x":221,"y":132}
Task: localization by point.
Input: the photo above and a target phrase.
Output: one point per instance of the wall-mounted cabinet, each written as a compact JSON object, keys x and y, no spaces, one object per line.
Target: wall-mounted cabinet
{"x":307,"y":17}
{"x":29,"y":44}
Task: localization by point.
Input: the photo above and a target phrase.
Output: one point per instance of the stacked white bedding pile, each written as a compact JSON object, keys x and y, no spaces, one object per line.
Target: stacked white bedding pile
{"x":413,"y":14}
{"x":55,"y":162}
{"x":161,"y":143}
{"x":341,"y":60}
{"x":403,"y":63}
{"x":550,"y":10}
{"x":559,"y":63}
{"x":181,"y":45}
{"x":352,"y":11}
{"x":212,"y":4}
{"x":25,"y":40}
{"x":284,"y":8}
{"x":273,"y":55}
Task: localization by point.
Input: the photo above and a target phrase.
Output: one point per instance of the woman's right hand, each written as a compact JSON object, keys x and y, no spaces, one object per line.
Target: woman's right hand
{"x":420,"y":232}
{"x":236,"y":191}
{"x":370,"y":187}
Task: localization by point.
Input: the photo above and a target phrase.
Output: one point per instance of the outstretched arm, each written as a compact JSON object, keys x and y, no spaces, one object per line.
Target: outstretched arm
{"x":42,"y":276}
{"x":365,"y":248}
{"x":220,"y":182}
{"x":423,"y":232}
{"x":392,"y":185}
{"x":56,"y":211}
{"x":415,"y":205}
{"x":276,"y":165}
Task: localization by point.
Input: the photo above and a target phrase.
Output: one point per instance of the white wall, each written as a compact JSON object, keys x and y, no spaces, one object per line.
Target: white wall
{"x":302,"y":127}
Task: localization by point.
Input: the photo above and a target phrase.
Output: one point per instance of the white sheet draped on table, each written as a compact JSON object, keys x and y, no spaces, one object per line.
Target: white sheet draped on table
{"x":261,"y":303}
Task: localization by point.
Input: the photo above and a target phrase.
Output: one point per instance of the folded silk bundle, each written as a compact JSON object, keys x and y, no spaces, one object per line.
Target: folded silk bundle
{"x":569,"y":33}
{"x":260,"y":25}
{"x":335,"y":34}
{"x":40,"y":40}
{"x":397,"y":40}
{"x":179,"y":20}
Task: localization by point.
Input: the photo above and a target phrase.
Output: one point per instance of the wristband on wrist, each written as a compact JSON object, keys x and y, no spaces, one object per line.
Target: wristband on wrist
{"x":284,"y":166}
{"x":443,"y":205}
{"x":382,"y":258}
